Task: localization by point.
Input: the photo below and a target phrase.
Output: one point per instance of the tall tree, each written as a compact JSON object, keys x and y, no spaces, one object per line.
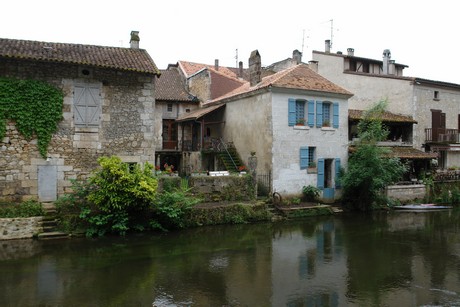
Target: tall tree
{"x":370,"y":168}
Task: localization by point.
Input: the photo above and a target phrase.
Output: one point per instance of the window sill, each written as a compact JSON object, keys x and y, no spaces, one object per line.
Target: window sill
{"x":300,"y":127}
{"x":312,"y":170}
{"x":86,"y":130}
{"x":328,"y":129}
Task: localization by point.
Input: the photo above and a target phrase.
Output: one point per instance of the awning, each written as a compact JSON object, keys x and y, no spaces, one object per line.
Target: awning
{"x":198,"y":113}
{"x":411,"y":153}
{"x":386,"y":117}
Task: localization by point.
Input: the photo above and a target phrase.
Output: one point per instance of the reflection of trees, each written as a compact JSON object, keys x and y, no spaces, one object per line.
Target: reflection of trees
{"x":379,"y":259}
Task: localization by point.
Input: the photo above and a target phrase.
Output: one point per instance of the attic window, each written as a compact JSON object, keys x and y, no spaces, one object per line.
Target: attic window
{"x":170,"y":107}
{"x":85,"y":72}
{"x":436,"y":95}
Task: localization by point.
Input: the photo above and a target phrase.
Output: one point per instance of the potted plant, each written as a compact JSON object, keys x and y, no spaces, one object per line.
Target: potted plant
{"x":326,"y":123}
{"x":300,"y":122}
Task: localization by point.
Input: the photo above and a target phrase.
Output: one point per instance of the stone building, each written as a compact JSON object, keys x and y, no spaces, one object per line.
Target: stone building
{"x":108,"y":109}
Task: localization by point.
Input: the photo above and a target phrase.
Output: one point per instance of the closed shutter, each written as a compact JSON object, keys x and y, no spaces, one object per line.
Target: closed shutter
{"x":303,"y":157}
{"x":320,"y":177}
{"x":311,"y":113}
{"x":319,"y":114}
{"x":291,"y":112}
{"x":337,"y":173}
{"x":87,"y":106}
{"x":335,"y":116}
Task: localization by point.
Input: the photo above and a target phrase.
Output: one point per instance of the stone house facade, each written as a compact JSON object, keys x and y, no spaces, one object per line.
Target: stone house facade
{"x":108,"y":109}
{"x":428,"y":105}
{"x":295,"y":121}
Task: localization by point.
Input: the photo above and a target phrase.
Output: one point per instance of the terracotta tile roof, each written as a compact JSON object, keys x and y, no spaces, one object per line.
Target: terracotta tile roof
{"x":222,"y":84}
{"x":297,"y":77}
{"x":411,"y":153}
{"x":198,"y":113}
{"x":128,"y":59}
{"x":387,"y":117}
{"x":171,"y":88}
{"x":191,"y":68}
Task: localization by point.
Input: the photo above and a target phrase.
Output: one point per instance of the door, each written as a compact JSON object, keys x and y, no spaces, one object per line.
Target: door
{"x":47,"y":183}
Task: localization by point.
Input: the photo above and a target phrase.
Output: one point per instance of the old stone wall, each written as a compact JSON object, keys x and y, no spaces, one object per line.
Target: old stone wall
{"x":125,"y":128}
{"x":20,"y":228}
{"x":406,"y":192}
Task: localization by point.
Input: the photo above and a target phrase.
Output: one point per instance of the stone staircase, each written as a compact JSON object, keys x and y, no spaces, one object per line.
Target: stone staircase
{"x":49,"y":224}
{"x":231,"y":159}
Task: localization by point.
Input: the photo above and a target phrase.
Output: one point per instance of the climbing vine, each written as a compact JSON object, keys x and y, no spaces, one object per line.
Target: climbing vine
{"x":35,"y":106}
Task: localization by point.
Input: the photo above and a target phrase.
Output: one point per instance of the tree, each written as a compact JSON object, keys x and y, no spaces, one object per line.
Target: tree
{"x":370,"y":167}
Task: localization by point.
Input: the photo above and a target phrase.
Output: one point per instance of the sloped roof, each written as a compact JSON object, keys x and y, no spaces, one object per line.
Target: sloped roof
{"x":411,"y":153}
{"x":299,"y":77}
{"x":198,"y":113}
{"x":171,"y":88}
{"x":191,"y":68}
{"x":386,"y":117}
{"x":127,"y":59}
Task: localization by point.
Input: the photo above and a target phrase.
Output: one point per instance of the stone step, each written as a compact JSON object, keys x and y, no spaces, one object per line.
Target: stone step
{"x":52,"y":235}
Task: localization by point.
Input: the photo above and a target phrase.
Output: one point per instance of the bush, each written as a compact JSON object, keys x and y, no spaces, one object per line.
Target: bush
{"x":28,"y":208}
{"x":310,"y":193}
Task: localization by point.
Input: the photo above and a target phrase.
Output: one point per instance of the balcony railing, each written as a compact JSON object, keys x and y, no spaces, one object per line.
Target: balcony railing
{"x":442,"y":135}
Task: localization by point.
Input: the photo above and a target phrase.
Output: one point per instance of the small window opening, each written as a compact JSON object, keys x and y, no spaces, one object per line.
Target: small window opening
{"x":436,"y":95}
{"x":170,"y":107}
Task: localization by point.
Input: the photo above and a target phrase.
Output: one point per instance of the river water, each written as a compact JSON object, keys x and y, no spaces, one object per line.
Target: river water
{"x":381,"y":259}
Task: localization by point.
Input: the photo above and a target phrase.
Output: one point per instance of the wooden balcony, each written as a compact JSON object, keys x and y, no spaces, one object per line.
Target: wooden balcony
{"x":442,"y":135}
{"x":170,"y":145}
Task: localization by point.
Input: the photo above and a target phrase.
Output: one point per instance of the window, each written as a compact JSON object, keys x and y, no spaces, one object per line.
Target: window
{"x":87,"y":105}
{"x":300,"y":112}
{"x":436,"y":95}
{"x":307,"y":157}
{"x":297,"y":112}
{"x":169,"y":107}
{"x":326,"y":114}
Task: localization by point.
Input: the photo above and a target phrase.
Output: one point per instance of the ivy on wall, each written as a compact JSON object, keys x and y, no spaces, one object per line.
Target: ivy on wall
{"x":35,"y":106}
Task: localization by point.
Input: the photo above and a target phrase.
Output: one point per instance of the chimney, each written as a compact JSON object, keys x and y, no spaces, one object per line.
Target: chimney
{"x":313,"y":65}
{"x":392,"y":67}
{"x":134,"y":42}
{"x":328,"y":45}
{"x":240,"y":69}
{"x":297,"y":56}
{"x":386,"y":61}
{"x":351,"y":52}
{"x":255,"y":66}
{"x":216,"y":64}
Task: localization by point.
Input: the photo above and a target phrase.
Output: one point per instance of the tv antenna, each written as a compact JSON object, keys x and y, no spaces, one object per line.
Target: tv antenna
{"x":332,"y":30}
{"x":236,"y":57}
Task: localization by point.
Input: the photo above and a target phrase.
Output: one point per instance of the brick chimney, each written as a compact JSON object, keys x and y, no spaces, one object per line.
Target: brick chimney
{"x":255,"y":66}
{"x":134,"y":42}
{"x":297,"y":56}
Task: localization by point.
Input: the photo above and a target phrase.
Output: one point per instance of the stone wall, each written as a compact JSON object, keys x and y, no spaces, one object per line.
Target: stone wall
{"x":125,"y":129}
{"x":406,"y":192}
{"x":20,"y":228}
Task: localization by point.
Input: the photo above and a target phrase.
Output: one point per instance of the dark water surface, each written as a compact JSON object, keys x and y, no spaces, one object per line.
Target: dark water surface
{"x":384,"y":259}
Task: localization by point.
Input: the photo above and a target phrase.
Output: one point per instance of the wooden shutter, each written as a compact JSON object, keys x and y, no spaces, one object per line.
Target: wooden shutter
{"x":303,"y":157}
{"x":311,"y":113}
{"x":335,"y":115}
{"x":320,"y":177}
{"x":87,"y":106}
{"x":291,"y":112}
{"x":319,"y":114}
{"x":337,"y":173}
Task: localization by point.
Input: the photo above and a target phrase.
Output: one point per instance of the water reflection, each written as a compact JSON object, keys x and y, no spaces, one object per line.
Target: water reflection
{"x":384,"y":259}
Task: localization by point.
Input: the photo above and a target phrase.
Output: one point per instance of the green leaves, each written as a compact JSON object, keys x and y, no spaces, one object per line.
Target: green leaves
{"x":35,"y":106}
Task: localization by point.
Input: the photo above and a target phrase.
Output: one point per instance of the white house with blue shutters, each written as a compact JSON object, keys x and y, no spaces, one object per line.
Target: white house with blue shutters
{"x":297,"y":123}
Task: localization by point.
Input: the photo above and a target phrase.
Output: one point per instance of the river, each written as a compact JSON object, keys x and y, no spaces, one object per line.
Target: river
{"x":381,"y":259}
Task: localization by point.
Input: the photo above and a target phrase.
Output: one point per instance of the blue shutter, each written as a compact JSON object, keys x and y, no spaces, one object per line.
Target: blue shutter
{"x":335,"y":118}
{"x":320,"y":170}
{"x":311,"y":113}
{"x":337,"y":173}
{"x":291,"y":112}
{"x":319,"y":114}
{"x":303,"y":157}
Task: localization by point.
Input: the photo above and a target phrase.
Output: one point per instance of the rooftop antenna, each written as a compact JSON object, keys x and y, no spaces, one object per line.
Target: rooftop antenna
{"x":303,"y":39}
{"x":332,"y":30}
{"x":236,"y":57}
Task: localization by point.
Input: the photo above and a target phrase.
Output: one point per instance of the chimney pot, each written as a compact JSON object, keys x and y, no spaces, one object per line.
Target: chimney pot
{"x":240,"y":69}
{"x":328,"y":45}
{"x":351,"y":51}
{"x":216,"y":64}
{"x":134,"y":42}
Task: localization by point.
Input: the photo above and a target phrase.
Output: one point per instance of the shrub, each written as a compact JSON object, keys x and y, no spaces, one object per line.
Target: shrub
{"x":28,"y":208}
{"x":310,"y":193}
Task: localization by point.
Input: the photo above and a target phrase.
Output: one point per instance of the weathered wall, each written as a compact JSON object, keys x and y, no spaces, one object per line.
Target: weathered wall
{"x":125,"y":129}
{"x":20,"y":228}
{"x":406,"y":192}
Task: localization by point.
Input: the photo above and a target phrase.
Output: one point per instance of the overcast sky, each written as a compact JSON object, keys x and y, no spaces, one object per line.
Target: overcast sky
{"x":420,"y":34}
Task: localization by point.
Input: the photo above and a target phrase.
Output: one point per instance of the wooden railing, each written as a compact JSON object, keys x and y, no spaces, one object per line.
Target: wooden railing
{"x":442,"y":135}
